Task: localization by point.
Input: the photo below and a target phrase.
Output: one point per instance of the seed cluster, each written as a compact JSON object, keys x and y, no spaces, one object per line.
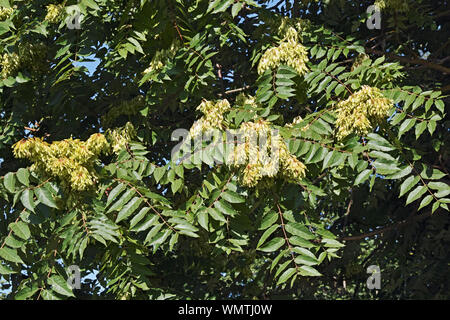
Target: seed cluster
{"x":258,"y":152}
{"x":161,"y":56}
{"x":212,"y":116}
{"x":29,"y":56}
{"x":120,"y":137}
{"x":290,"y":52}
{"x":5,"y":13}
{"x":73,"y":160}
{"x":70,"y":160}
{"x":54,"y":13}
{"x":10,"y":64}
{"x":362,"y":111}
{"x":266,"y":158}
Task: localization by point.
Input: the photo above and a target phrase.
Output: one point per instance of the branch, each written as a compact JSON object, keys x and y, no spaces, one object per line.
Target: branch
{"x":425,"y":63}
{"x":235,"y":90}
{"x":385,"y":229}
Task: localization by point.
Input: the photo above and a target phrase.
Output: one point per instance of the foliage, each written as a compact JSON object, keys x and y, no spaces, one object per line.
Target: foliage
{"x":88,"y":177}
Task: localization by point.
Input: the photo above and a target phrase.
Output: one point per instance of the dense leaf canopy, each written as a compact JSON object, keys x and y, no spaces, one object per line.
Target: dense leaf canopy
{"x":97,"y":95}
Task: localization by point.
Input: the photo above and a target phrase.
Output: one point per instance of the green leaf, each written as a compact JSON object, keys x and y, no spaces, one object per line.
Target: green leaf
{"x":91,"y":4}
{"x":225,"y":208}
{"x":216,"y":214}
{"x":440,"y":105}
{"x":266,"y":235}
{"x":115,"y":192}
{"x":49,"y":295}
{"x":203,"y":219}
{"x":416,"y":194}
{"x":121,"y":202}
{"x":406,"y":126}
{"x":13,"y":242}
{"x":21,"y":230}
{"x":269,"y":219}
{"x":332,"y":243}
{"x":139,"y":216}
{"x":300,"y":230}
{"x":305,"y":260}
{"x":400,"y":174}
{"x":149,"y":221}
{"x":176,"y":185}
{"x":6,"y":270}
{"x":438,"y":186}
{"x":159,"y":173}
{"x":425,"y":201}
{"x":272,"y":245}
{"x":232,"y":197}
{"x":297,"y":241}
{"x":363,"y":176}
{"x":236,"y":8}
{"x":45,"y":197}
{"x":408,"y":184}
{"x":10,"y":255}
{"x":286,"y":275}
{"x":152,"y":233}
{"x":377,"y":142}
{"x":23,"y":175}
{"x":27,"y":199}
{"x":26,"y":292}
{"x":420,"y":128}
{"x":129,"y":208}
{"x":59,"y":285}
{"x":304,"y":252}
{"x":278,"y":258}
{"x":309,"y":271}
{"x":435,"y":206}
{"x":10,"y":182}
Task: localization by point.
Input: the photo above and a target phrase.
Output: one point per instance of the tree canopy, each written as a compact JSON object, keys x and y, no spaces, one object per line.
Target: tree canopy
{"x":181,"y":149}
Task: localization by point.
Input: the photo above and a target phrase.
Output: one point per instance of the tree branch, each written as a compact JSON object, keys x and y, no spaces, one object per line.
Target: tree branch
{"x":385,"y":229}
{"x":425,"y":63}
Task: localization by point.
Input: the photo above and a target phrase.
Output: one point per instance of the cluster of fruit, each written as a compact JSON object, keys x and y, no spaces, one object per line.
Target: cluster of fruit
{"x":362,"y":111}
{"x":290,"y":52}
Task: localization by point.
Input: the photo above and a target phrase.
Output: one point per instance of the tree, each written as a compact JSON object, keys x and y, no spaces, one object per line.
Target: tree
{"x":313,"y":148}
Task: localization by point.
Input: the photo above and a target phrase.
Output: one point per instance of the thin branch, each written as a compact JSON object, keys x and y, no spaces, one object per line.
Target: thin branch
{"x":405,"y":59}
{"x":386,"y":229}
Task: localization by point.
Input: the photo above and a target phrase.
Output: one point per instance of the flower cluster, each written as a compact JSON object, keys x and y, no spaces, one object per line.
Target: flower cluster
{"x":10,"y":64}
{"x":262,"y":154}
{"x":129,"y":107}
{"x":31,"y":56}
{"x":290,"y":52}
{"x":71,"y":160}
{"x":5,"y":13}
{"x":54,"y":13}
{"x":161,"y":57}
{"x":260,"y":151}
{"x":121,"y":137}
{"x":212,"y":116}
{"x":362,"y":111}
